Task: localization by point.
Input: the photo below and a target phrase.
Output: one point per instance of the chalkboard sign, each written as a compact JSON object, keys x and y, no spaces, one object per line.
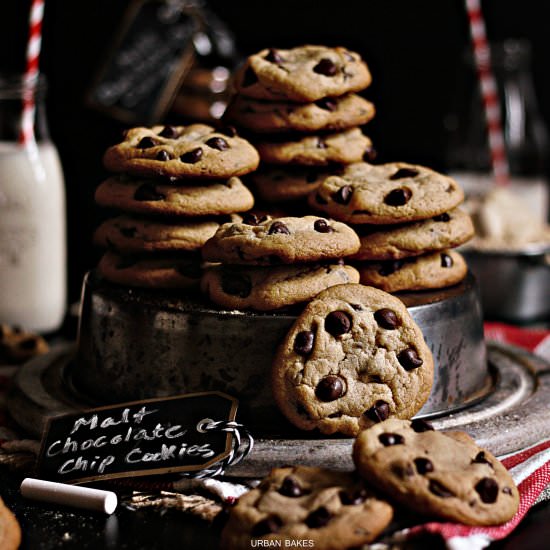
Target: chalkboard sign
{"x":136,"y":439}
{"x":147,"y":63}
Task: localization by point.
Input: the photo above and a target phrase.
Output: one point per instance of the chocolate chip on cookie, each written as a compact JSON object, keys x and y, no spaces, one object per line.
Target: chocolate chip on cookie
{"x":393,"y":242}
{"x":353,"y":357}
{"x":179,"y":152}
{"x":190,"y":200}
{"x":326,"y":114}
{"x":432,"y":270}
{"x":328,"y":509}
{"x":441,"y":474}
{"x":272,"y":288}
{"x":377,"y":196}
{"x":284,"y":240}
{"x":342,"y":147}
{"x":131,"y":234}
{"x":302,"y":74}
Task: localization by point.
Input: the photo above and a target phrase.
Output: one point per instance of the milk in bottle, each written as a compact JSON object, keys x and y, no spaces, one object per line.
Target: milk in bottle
{"x":32,"y":219}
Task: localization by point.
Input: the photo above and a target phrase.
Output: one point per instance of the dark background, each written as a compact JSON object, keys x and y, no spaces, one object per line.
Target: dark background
{"x":414,"y":50}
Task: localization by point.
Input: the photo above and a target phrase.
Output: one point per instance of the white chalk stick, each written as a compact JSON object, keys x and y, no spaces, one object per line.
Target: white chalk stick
{"x":69,"y":495}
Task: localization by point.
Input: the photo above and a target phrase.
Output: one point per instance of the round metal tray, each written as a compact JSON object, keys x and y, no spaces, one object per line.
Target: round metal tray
{"x":512,"y":416}
{"x":144,"y":344}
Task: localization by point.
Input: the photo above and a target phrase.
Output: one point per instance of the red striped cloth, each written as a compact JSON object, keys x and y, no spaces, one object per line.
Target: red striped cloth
{"x":536,"y":341}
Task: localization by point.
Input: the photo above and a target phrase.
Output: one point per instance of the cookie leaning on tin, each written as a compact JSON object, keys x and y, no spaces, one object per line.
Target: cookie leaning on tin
{"x":352,"y":358}
{"x":329,"y":510}
{"x":442,"y":474}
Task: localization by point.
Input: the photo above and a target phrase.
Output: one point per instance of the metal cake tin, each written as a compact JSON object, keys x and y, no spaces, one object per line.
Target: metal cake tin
{"x":138,"y":344}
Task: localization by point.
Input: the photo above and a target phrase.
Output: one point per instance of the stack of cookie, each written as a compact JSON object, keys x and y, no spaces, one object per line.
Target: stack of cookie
{"x":270,"y":264}
{"x":301,"y":108}
{"x":174,"y":183}
{"x":408,"y":221}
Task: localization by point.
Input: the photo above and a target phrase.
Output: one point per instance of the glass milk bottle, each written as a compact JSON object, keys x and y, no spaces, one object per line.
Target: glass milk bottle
{"x":32,"y":216}
{"x":524,"y":132}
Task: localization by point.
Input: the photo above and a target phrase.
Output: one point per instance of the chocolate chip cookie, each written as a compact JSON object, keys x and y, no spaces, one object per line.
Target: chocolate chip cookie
{"x":269,"y":289}
{"x":196,"y":151}
{"x":443,"y":474}
{"x":434,"y":270}
{"x":131,"y":235}
{"x":288,"y":183}
{"x":284,"y":240}
{"x":160,"y":198}
{"x":159,"y":271}
{"x":330,"y":510}
{"x":302,"y":74}
{"x":321,"y":150}
{"x":18,"y":346}
{"x":386,"y":194}
{"x":327,"y":113}
{"x":352,"y":358}
{"x":393,"y":242}
{"x":10,"y":531}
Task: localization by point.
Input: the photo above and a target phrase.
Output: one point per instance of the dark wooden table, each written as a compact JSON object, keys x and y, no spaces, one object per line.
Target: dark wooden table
{"x":51,"y":527}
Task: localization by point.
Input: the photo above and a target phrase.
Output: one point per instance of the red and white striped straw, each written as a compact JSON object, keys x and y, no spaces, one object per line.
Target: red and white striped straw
{"x":26,"y":134}
{"x":489,"y":92}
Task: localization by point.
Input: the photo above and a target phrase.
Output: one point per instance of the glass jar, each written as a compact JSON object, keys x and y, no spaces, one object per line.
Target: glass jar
{"x":524,"y":131}
{"x":33,"y":266}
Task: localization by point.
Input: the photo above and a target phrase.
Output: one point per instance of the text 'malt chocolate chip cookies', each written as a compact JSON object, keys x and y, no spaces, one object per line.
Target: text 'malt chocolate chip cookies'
{"x":354,"y":357}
